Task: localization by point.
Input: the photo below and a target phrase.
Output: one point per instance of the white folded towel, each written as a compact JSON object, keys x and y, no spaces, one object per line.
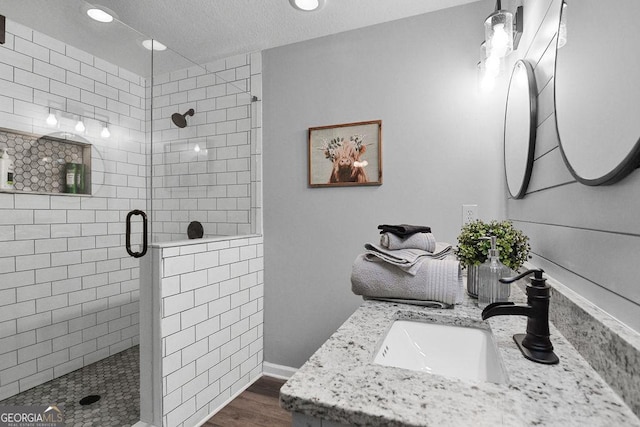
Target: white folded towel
{"x":424,"y":241}
{"x":409,"y":260}
{"x":435,"y":280}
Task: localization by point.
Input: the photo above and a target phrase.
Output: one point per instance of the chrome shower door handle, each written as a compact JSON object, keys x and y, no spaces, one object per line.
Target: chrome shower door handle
{"x":144,"y":233}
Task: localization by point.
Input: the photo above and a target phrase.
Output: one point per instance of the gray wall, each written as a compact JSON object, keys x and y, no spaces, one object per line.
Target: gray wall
{"x":586,"y":237}
{"x":441,"y":148}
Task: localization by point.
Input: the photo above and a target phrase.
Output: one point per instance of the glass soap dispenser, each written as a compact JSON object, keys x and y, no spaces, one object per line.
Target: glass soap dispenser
{"x":490,"y":290}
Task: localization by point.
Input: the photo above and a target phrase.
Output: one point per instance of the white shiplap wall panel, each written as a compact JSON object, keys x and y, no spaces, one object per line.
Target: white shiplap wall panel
{"x":586,"y":237}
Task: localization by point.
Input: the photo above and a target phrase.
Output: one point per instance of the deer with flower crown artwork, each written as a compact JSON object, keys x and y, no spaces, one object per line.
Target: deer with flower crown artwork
{"x":344,"y":147}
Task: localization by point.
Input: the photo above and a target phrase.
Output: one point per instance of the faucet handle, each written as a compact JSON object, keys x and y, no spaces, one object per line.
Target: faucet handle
{"x":537,"y":279}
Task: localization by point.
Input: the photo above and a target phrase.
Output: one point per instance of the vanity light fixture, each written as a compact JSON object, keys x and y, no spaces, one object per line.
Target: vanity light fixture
{"x":562,"y":30}
{"x":502,"y":35}
{"x":105,"y":131}
{"x":307,"y":5}
{"x":100,"y":15}
{"x":498,"y":32}
{"x":80,"y":127}
{"x":151,"y":44}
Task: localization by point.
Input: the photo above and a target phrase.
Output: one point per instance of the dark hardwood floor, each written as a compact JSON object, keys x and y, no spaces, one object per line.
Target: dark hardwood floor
{"x":257,"y":406}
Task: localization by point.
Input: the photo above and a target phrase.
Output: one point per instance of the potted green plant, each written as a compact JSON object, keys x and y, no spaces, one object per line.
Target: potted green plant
{"x":472,"y":249}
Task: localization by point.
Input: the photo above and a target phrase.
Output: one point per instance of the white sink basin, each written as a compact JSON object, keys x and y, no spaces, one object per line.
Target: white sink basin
{"x":452,"y":351}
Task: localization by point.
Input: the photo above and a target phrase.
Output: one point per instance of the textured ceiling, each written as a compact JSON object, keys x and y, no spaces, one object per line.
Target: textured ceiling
{"x":203,"y":30}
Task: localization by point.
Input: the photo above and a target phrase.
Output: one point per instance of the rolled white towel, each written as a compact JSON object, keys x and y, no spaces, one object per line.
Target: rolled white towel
{"x":435,"y":280}
{"x":423,"y":241}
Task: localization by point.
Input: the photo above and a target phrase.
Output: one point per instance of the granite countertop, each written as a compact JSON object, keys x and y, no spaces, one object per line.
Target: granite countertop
{"x":341,"y":383}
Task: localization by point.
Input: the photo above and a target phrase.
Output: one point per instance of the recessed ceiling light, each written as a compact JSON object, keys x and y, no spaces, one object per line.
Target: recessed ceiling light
{"x":307,"y":5}
{"x":153,"y":44}
{"x":99,"y":15}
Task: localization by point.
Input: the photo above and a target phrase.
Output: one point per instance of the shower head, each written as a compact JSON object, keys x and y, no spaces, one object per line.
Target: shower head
{"x":180,"y":120}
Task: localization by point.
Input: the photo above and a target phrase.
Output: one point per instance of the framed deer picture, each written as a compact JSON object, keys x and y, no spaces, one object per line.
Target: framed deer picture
{"x":346,"y":154}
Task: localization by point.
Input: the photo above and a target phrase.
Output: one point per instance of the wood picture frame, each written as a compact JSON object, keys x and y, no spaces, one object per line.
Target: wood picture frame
{"x":347,"y":154}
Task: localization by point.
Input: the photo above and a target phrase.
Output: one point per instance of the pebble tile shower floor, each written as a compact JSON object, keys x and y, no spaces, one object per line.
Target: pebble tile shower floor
{"x":116,"y":379}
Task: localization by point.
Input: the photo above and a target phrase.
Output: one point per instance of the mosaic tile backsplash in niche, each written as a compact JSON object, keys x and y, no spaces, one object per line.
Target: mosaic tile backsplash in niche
{"x":40,"y":161}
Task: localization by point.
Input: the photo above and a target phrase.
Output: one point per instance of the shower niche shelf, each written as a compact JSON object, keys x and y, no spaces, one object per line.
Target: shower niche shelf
{"x":40,"y":162}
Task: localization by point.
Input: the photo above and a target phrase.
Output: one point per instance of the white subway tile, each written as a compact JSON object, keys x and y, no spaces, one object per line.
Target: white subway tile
{"x":239,"y":268}
{"x":66,"y":258}
{"x":217,"y":371}
{"x":17,"y":310}
{"x":177,"y":303}
{"x":52,"y":331}
{"x":229,"y":317}
{"x":208,"y":327}
{"x":193,"y":316}
{"x":181,"y":413}
{"x":51,"y":303}
{"x":34,"y":351}
{"x":19,"y":371}
{"x":30,"y":262}
{"x":83,"y":349}
{"x":178,"y":265}
{"x":34,"y":292}
{"x":52,"y":359}
{"x":51,"y":274}
{"x":31,"y":80}
{"x":195,"y":351}
{"x":16,"y":248}
{"x":80,"y":297}
{"x":180,"y":377}
{"x":207,"y":293}
{"x":50,"y":245}
{"x":25,"y":232}
{"x":179,"y":340}
{"x":66,"y":313}
{"x":190,"y":281}
{"x":170,"y":324}
{"x":16,"y":59}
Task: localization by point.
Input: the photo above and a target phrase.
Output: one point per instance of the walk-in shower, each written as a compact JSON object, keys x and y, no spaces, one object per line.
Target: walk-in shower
{"x":70,"y":295}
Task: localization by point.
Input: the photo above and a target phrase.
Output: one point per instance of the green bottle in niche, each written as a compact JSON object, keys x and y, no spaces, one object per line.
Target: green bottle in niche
{"x":80,"y":183}
{"x":71,"y":182}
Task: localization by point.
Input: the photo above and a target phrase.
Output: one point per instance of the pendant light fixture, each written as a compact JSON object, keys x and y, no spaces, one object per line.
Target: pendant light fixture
{"x":498,"y":32}
{"x":80,"y":126}
{"x":52,"y":120}
{"x":105,"y":131}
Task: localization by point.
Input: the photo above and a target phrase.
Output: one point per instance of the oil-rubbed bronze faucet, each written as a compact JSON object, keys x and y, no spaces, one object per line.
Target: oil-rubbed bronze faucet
{"x":535,"y":344}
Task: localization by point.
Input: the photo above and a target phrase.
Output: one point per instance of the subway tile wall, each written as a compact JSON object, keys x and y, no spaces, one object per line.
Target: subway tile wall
{"x":68,"y":291}
{"x":208,"y":171}
{"x":211,"y":325}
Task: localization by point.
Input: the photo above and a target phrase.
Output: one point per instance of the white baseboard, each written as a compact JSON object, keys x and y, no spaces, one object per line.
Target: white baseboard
{"x":277,"y":371}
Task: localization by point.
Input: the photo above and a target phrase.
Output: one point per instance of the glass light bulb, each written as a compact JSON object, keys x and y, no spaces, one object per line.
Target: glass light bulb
{"x":196,"y":148}
{"x":105,"y":132}
{"x":80,"y":126}
{"x":51,"y":120}
{"x":499,"y":41}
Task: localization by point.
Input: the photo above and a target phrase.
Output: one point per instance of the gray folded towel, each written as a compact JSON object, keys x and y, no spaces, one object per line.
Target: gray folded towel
{"x":409,"y":260}
{"x":435,"y":280}
{"x":424,"y":241}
